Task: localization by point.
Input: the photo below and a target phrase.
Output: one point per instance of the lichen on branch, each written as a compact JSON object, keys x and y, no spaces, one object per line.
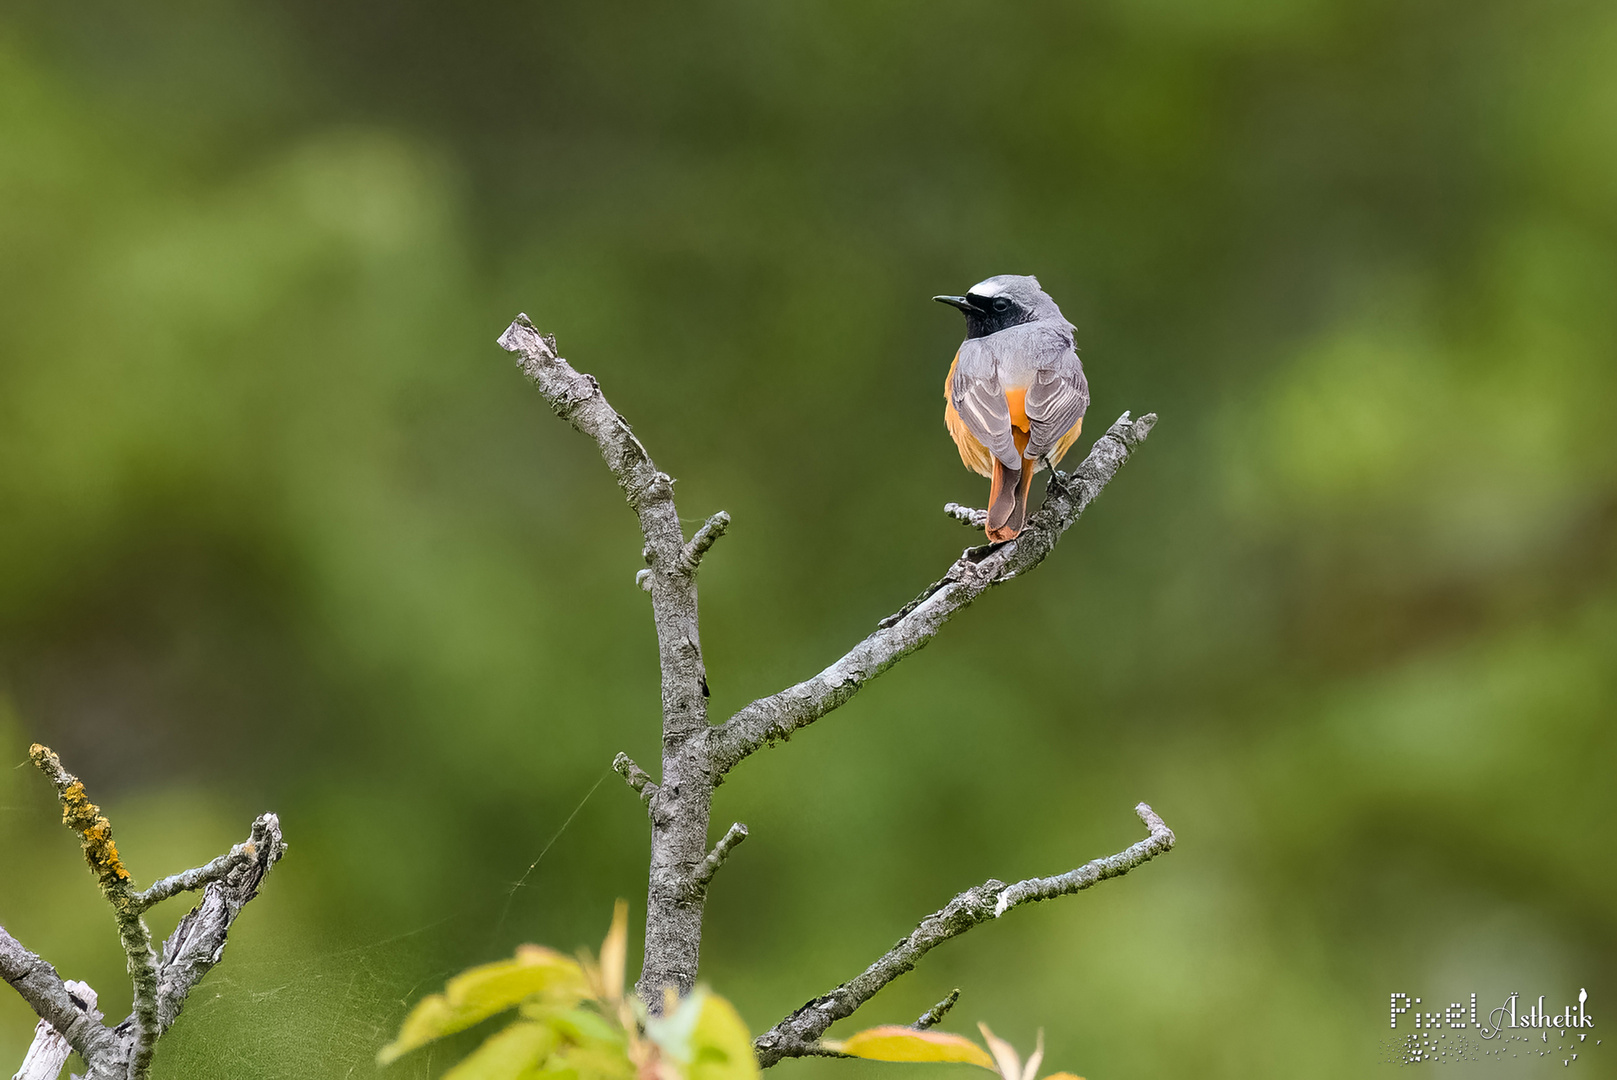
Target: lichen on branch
{"x":159,"y":985}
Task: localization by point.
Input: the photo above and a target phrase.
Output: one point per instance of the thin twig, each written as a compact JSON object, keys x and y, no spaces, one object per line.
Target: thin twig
{"x":705,"y":538}
{"x":715,"y":858}
{"x":1033,"y":890}
{"x":937,"y":1012}
{"x":636,"y":777}
{"x":966,"y":515}
{"x":778,"y":716}
{"x":798,"y":1034}
{"x":198,"y":877}
{"x":696,"y":757}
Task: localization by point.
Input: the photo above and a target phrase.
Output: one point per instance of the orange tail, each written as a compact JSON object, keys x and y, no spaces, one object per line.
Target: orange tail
{"x":1002,"y":502}
{"x":1007,"y":497}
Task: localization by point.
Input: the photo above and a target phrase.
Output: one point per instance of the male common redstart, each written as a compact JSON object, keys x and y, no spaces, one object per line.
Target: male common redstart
{"x":1015,"y":397}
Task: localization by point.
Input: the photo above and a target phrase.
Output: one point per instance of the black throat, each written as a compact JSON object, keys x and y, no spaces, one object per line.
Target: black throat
{"x":982,"y":323}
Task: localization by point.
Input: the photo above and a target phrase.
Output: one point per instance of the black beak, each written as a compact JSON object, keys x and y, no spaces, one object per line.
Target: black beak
{"x":961,"y":302}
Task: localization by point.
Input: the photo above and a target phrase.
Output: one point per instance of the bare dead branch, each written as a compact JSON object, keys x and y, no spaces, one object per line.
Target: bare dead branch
{"x":160,"y":986}
{"x":681,"y":804}
{"x":798,"y":1034}
{"x":966,"y":515}
{"x":937,"y":1012}
{"x":777,"y":717}
{"x":721,"y":851}
{"x":198,"y":942}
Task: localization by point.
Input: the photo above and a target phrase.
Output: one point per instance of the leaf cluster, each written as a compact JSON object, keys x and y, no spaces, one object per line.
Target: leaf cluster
{"x":573,"y":1021}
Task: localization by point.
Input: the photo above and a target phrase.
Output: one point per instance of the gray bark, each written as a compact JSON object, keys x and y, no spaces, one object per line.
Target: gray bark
{"x":50,"y":1048}
{"x":43,"y":989}
{"x":679,"y":806}
{"x":721,"y":851}
{"x":937,"y":1012}
{"x":198,"y":942}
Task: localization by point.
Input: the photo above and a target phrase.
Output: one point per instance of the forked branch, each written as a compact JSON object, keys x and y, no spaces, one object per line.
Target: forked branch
{"x":798,"y":1035}
{"x":160,"y":984}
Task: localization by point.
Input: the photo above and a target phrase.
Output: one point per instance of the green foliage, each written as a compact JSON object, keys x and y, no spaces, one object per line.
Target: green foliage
{"x":574,"y":1022}
{"x":536,"y":975}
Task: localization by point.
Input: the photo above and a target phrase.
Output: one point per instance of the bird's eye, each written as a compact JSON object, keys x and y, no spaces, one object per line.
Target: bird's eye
{"x":1002,"y":304}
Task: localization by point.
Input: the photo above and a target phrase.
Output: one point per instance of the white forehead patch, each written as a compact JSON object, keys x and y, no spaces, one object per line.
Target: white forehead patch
{"x":989,"y":287}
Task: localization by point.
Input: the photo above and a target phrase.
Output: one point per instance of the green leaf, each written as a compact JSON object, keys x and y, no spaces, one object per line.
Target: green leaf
{"x":584,"y":1026}
{"x":508,"y":1054}
{"x":481,"y":992}
{"x":721,"y":1045}
{"x":596,"y":1061}
{"x":893,"y":1043}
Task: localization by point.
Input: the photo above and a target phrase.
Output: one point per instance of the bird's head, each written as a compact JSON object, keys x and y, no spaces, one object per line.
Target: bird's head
{"x":1001,"y":301}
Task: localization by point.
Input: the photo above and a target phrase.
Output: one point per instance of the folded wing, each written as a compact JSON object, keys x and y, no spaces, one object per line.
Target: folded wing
{"x":1058,"y":397}
{"x":980,"y":400}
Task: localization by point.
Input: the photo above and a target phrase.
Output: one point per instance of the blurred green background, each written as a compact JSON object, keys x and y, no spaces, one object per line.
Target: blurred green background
{"x":281,"y":528}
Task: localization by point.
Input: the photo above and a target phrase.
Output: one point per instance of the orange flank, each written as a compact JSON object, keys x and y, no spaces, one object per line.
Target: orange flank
{"x":1065,"y":442}
{"x":1017,"y":400}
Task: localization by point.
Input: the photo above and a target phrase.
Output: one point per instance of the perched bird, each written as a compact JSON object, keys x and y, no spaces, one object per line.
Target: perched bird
{"x":1015,"y":397}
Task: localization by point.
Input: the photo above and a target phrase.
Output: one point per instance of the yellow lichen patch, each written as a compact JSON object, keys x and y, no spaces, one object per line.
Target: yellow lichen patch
{"x":102,"y":855}
{"x":83,"y":817}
